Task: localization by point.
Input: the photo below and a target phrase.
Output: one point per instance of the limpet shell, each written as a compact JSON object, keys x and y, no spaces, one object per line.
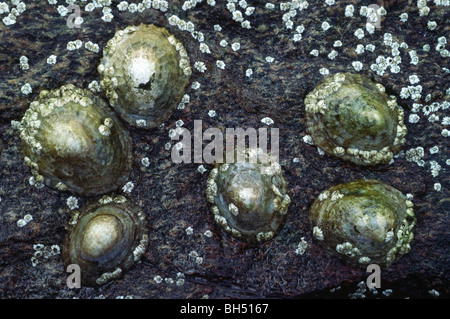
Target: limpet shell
{"x":144,"y":72}
{"x":351,"y":117}
{"x":107,"y":237}
{"x":74,"y":142}
{"x":249,"y":198}
{"x":363,"y":222}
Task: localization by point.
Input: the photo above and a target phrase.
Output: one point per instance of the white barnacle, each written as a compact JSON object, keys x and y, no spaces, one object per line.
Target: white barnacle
{"x":359,"y":33}
{"x":223,"y":43}
{"x":122,"y":6}
{"x":200,"y":66}
{"x":314,"y":52}
{"x":324,"y":71}
{"x":108,"y":122}
{"x":208,"y":233}
{"x":179,"y":123}
{"x":71,"y":46}
{"x":359,"y":49}
{"x":403,"y":17}
{"x":24,"y":63}
{"x":324,"y":195}
{"x":158,"y":279}
{"x":349,"y":10}
{"x":431,"y":25}
{"x":357,"y":65}
{"x":364,"y":260}
{"x":72,"y":202}
{"x":267,"y":121}
{"x":434,"y":149}
{"x":220,"y":64}
{"x":325,"y":26}
{"x":318,"y":233}
{"x":195,"y":85}
{"x":4,"y":8}
{"x":62,"y":10}
{"x":51,"y":59}
{"x":21,"y":223}
{"x":302,"y":246}
{"x":338,"y":150}
{"x":27,"y":218}
{"x":26,"y":89}
{"x":297,"y":37}
{"x":389,"y":236}
{"x":189,"y":230}
{"x":107,"y":17}
{"x":201,"y":169}
{"x":413,"y":118}
{"x":246,"y":24}
{"x":308,"y":140}
{"x":333,"y":54}
{"x":128,"y":187}
{"x":104,"y":130}
{"x":204,"y":48}
{"x":233,"y":209}
{"x":34,"y":261}
{"x":145,"y":161}
{"x":413,"y":79}
{"x":336,"y":195}
{"x":173,"y":20}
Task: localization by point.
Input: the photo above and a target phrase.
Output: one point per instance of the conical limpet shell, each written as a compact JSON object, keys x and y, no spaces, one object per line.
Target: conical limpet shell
{"x":107,"y":238}
{"x":144,"y":71}
{"x":248,"y":199}
{"x":351,"y":117}
{"x":74,"y":142}
{"x":363,"y":222}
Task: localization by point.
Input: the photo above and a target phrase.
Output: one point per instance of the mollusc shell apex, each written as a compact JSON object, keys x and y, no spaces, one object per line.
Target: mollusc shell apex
{"x":144,"y":72}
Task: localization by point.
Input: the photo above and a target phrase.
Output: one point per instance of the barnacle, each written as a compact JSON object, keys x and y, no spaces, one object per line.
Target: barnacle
{"x":73,"y":142}
{"x":363,"y":222}
{"x":144,"y":71}
{"x":248,"y":198}
{"x":105,"y":239}
{"x":351,"y":117}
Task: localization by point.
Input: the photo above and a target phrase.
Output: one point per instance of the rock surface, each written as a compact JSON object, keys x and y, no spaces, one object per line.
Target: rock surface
{"x":182,"y":260}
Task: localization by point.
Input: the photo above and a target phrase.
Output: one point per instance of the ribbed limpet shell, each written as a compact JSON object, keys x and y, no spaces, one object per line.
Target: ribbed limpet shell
{"x":105,"y":239}
{"x":363,"y":222}
{"x":351,"y":117}
{"x":144,"y":71}
{"x":74,"y":142}
{"x":248,"y":199}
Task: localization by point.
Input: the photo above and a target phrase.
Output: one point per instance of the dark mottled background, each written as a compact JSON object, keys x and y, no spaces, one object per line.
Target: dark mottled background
{"x":172,"y":195}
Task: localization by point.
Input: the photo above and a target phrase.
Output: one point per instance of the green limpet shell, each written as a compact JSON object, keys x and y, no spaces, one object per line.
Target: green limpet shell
{"x":351,"y":117}
{"x":105,"y":239}
{"x":363,"y":222}
{"x":144,"y":72}
{"x":74,"y":142}
{"x":248,"y":198}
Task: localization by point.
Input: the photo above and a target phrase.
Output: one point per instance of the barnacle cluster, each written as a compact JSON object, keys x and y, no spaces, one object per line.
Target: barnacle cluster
{"x":351,"y":117}
{"x":106,"y":238}
{"x":248,"y":198}
{"x":73,"y":142}
{"x":363,"y":222}
{"x":144,"y":71}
